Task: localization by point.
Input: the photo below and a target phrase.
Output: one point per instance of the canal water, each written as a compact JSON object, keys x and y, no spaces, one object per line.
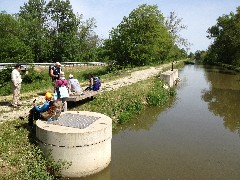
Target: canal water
{"x":196,"y":136}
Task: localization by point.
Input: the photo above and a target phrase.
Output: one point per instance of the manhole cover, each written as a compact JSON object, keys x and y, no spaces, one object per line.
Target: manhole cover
{"x":75,"y":120}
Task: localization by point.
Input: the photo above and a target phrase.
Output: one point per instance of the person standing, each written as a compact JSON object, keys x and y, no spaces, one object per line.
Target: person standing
{"x":55,"y":73}
{"x":16,"y":85}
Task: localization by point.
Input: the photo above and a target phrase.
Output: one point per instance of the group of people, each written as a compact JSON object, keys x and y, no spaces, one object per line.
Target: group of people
{"x":62,"y":89}
{"x":52,"y":108}
{"x":73,"y":85}
{"x":59,"y":80}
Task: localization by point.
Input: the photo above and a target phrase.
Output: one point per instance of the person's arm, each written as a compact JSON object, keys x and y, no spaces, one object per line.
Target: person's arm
{"x":69,"y":87}
{"x":91,"y":81}
{"x":44,"y":107}
{"x":52,"y":73}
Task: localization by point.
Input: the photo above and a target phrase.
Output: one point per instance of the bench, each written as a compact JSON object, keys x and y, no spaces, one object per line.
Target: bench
{"x":76,"y":98}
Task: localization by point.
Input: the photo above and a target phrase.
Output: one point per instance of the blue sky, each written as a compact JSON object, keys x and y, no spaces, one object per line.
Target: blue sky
{"x":197,"y":15}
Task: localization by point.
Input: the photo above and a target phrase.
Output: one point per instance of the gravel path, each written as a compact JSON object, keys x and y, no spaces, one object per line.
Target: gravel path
{"x":10,"y":113}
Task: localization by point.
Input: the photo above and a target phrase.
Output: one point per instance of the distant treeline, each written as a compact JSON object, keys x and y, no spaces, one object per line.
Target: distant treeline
{"x":225,"y":48}
{"x":50,"y":32}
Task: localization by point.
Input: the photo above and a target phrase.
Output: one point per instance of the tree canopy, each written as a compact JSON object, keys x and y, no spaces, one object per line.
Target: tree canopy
{"x":142,"y":38}
{"x":50,"y":32}
{"x":13,"y":49}
{"x":226,"y":40}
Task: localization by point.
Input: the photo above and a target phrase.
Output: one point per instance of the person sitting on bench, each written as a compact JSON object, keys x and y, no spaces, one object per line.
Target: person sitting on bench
{"x":94,"y":83}
{"x":74,"y":86}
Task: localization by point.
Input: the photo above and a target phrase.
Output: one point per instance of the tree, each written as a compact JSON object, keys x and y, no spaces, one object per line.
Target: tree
{"x":226,"y":40}
{"x":35,"y":32}
{"x":13,"y":48}
{"x":140,"y":39}
{"x":175,"y":26}
{"x":63,"y":25}
{"x":88,"y":41}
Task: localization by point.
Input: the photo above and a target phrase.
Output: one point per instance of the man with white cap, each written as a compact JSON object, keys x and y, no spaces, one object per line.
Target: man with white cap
{"x":55,"y":72}
{"x":74,"y":86}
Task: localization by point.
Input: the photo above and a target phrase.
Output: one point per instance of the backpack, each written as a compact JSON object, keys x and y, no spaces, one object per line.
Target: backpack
{"x":96,"y":83}
{"x":54,"y":110}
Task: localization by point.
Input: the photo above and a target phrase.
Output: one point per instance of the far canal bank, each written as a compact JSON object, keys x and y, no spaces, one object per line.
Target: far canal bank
{"x":195,"y":137}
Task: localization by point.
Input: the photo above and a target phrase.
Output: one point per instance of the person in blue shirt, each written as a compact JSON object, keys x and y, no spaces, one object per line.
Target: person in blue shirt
{"x":35,"y":112}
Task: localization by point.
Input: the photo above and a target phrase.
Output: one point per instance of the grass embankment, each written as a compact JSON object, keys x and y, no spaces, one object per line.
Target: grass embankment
{"x":20,"y":157}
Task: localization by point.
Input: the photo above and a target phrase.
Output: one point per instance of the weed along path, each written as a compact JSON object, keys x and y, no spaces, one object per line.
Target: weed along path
{"x":9,"y":113}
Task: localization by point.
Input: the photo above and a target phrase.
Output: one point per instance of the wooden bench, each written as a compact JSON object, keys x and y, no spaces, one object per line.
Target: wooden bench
{"x":76,"y":98}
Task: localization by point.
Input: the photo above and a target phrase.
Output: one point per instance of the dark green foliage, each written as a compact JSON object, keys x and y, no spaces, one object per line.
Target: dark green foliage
{"x":13,"y":48}
{"x":226,"y":40}
{"x":47,"y":33}
{"x":141,"y":39}
{"x":130,"y":109}
{"x":5,"y":78}
{"x":32,"y":76}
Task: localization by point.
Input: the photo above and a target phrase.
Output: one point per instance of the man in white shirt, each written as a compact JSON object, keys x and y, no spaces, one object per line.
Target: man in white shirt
{"x":16,"y":85}
{"x":74,"y":86}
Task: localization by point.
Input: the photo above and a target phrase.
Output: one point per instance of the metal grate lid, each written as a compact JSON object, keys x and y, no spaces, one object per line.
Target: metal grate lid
{"x":75,"y":120}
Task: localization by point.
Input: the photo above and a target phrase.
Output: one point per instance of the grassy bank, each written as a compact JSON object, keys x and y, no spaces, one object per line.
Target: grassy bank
{"x":123,"y":104}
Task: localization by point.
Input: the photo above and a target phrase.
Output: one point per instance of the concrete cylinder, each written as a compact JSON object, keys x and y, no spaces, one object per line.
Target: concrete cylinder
{"x":88,"y":148}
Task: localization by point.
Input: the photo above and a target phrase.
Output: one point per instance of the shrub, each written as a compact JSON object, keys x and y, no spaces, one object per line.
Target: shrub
{"x":158,"y":95}
{"x":5,"y":78}
{"x":32,"y":76}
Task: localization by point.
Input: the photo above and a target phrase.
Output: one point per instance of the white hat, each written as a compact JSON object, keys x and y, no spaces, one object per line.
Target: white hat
{"x":62,"y":74}
{"x":57,"y":64}
{"x":70,"y":76}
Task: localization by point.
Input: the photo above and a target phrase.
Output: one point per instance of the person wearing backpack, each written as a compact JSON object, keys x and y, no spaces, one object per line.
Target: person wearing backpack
{"x":94,"y":83}
{"x":54,"y":72}
{"x":35,"y":112}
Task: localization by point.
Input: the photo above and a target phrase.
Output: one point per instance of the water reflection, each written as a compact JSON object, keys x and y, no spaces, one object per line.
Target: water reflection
{"x":223,"y":98}
{"x":145,"y":120}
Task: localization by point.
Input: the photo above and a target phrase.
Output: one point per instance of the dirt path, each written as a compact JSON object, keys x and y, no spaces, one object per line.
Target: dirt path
{"x":10,"y":113}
